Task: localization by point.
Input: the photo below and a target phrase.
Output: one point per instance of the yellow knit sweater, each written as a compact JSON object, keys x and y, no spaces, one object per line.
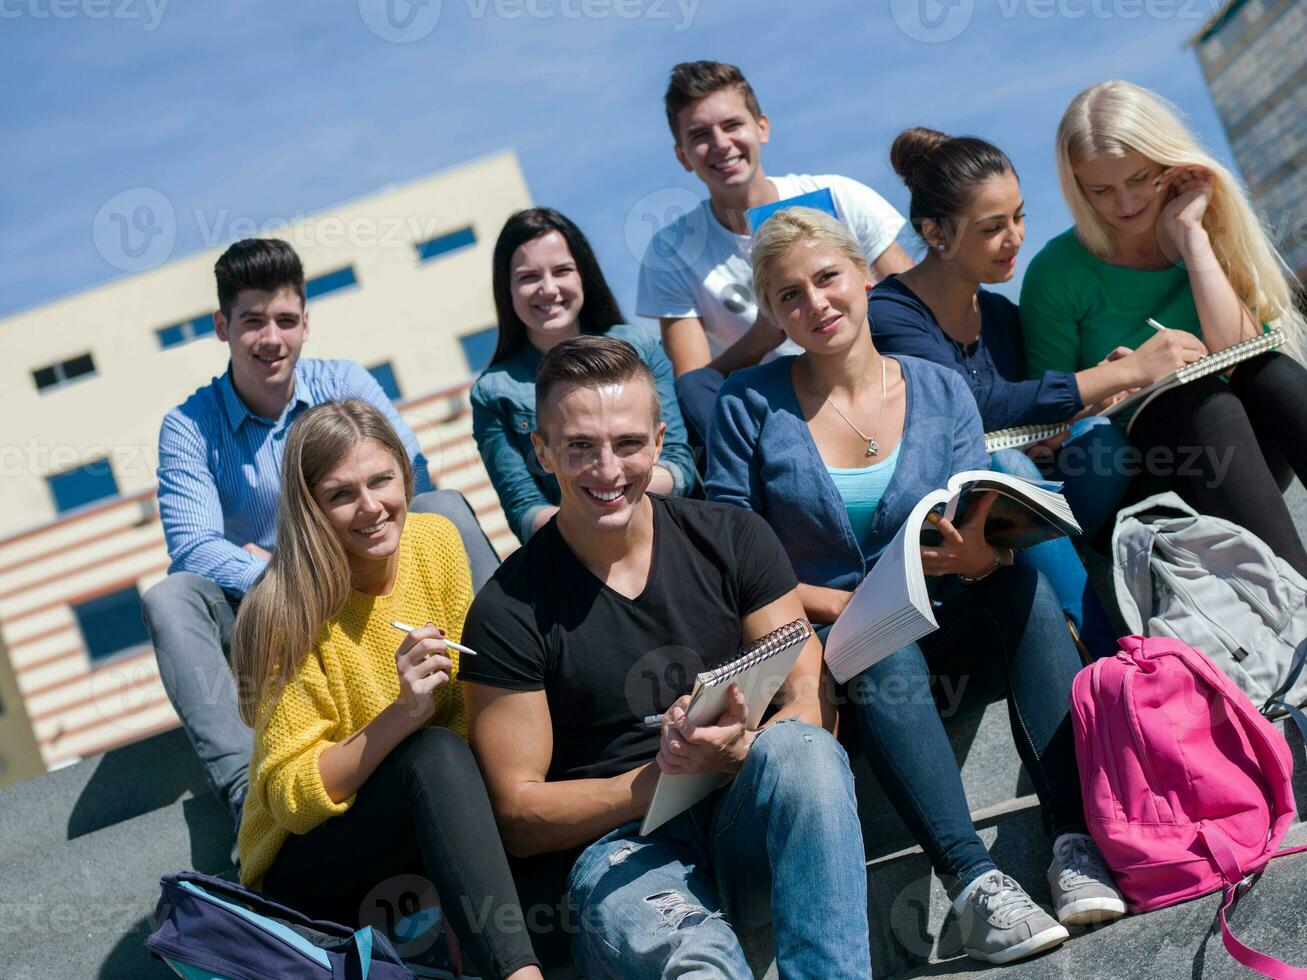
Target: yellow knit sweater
{"x":345,"y":682}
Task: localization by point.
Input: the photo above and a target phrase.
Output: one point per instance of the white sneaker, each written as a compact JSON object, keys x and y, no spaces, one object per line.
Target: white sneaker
{"x":1081,"y":884}
{"x":1000,"y":923}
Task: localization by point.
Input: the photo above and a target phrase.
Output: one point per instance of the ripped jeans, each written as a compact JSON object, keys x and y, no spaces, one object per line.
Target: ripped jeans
{"x":781,"y":842}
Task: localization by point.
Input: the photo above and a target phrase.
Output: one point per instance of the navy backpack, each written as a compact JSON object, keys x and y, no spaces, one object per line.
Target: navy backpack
{"x":207,"y":928}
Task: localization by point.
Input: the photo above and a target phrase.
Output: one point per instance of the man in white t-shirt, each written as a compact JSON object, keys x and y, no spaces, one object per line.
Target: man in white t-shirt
{"x":696,"y":277}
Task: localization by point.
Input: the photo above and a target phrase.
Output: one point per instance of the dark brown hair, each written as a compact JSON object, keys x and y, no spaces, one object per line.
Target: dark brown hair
{"x":266,"y":264}
{"x":943,"y":172}
{"x":599,"y":309}
{"x":592,"y":361}
{"x":695,"y":80}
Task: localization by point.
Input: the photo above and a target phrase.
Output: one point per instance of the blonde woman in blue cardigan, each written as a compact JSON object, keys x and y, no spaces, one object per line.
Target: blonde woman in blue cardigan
{"x":834,"y":447}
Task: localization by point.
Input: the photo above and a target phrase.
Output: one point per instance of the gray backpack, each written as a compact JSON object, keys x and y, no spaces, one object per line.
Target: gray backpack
{"x":1217,"y":587}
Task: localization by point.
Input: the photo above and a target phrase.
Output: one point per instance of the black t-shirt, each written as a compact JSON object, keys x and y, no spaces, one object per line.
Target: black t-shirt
{"x":545,"y":622}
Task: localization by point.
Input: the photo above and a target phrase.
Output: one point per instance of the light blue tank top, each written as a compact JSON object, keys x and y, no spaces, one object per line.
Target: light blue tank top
{"x":862,"y":488}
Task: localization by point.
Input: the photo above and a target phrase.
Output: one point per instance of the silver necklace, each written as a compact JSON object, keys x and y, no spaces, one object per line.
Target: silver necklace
{"x":873,"y":447}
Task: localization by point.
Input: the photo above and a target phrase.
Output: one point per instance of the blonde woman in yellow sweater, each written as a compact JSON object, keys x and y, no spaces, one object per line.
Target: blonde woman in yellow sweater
{"x":361,"y":771}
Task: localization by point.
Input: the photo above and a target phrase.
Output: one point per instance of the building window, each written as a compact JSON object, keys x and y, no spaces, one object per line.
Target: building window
{"x":330,"y":282}
{"x":384,"y":375}
{"x":444,"y":244}
{"x":84,"y":485}
{"x":184,"y":333}
{"x":477,"y":347}
{"x":112,"y":623}
{"x":60,"y":374}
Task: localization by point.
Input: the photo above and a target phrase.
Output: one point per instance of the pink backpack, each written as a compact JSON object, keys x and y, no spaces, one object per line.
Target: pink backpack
{"x":1187,"y":788}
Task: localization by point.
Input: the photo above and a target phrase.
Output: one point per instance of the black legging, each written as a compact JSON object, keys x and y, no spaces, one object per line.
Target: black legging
{"x":424,"y":811}
{"x":1219,"y":437}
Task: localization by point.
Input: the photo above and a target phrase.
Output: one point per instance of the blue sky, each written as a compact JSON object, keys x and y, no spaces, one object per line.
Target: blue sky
{"x":271,"y":109}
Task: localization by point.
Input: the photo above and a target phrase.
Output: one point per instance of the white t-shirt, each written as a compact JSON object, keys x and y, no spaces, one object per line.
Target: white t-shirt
{"x":696,"y":267}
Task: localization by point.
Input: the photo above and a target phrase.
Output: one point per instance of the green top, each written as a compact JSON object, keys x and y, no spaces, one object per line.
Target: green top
{"x":1076,"y":308}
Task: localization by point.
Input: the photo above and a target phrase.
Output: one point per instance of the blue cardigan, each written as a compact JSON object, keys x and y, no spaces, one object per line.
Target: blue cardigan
{"x":504,"y":416}
{"x":761,"y":457}
{"x":994,"y":366}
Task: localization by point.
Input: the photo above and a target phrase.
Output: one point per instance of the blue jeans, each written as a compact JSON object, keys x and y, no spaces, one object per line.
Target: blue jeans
{"x":1003,"y":637}
{"x":1090,"y":466}
{"x":782,"y":842}
{"x":697,"y":392}
{"x":1061,"y":565}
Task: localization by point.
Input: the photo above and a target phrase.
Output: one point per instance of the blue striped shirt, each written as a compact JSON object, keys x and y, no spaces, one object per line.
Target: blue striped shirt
{"x":220,"y":469}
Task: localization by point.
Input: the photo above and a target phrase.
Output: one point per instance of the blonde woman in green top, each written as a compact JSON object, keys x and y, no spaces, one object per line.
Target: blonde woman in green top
{"x":1164,"y":231}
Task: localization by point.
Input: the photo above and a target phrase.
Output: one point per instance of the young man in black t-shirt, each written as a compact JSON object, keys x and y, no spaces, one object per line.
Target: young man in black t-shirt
{"x":604,"y":617}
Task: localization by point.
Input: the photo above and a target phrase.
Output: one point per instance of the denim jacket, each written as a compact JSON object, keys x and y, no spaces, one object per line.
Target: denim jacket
{"x":504,"y":416}
{"x":761,"y":456}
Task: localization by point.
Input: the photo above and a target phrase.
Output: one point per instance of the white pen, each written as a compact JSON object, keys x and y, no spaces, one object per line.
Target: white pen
{"x":653,"y":721}
{"x":405,"y":628}
{"x":1154,"y":324}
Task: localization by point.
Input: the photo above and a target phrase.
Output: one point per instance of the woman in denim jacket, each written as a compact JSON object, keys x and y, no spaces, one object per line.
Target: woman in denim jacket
{"x":549,"y":287}
{"x":834,"y":448}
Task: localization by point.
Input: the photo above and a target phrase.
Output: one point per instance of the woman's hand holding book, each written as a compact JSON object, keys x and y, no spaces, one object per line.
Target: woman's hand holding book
{"x":962,"y":550}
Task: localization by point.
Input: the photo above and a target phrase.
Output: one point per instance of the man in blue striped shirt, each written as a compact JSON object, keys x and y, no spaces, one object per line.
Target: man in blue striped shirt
{"x":220,"y":455}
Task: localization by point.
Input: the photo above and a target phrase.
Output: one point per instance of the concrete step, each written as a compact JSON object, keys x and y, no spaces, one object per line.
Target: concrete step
{"x":85,"y":908}
{"x":1172,"y":942}
{"x":911,"y":919}
{"x":100,"y":792}
{"x":992,"y":773}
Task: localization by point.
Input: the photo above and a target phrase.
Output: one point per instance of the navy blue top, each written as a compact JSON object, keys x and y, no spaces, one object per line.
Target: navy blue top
{"x":761,"y":457}
{"x":993,"y":367}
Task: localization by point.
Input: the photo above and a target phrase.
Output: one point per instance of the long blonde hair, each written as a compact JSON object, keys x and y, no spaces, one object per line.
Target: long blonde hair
{"x":1113,"y":118}
{"x":785,"y":229}
{"x":307,"y":579}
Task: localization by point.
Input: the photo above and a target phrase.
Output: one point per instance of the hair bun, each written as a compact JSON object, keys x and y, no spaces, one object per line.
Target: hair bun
{"x":912,"y":148}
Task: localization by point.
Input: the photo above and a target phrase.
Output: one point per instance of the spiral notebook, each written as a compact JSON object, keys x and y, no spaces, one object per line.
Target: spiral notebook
{"x":759,"y":669}
{"x":1021,"y":436}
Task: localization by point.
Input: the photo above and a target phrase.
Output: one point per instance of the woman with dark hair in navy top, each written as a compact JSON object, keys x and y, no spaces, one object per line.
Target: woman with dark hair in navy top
{"x":967,"y":207}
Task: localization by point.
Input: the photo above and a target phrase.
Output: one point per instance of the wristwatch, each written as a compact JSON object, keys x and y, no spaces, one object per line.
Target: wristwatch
{"x":998,"y":562}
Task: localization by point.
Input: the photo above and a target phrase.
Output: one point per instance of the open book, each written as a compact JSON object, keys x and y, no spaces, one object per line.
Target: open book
{"x":891,"y":608}
{"x":759,"y":670}
{"x":1021,"y":436}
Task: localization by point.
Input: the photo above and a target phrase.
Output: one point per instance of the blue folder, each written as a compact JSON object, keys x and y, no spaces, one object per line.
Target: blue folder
{"x":821,"y":200}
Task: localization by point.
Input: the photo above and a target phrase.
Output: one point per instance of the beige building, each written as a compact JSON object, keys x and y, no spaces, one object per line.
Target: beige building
{"x":20,"y":757}
{"x":398,"y":281}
